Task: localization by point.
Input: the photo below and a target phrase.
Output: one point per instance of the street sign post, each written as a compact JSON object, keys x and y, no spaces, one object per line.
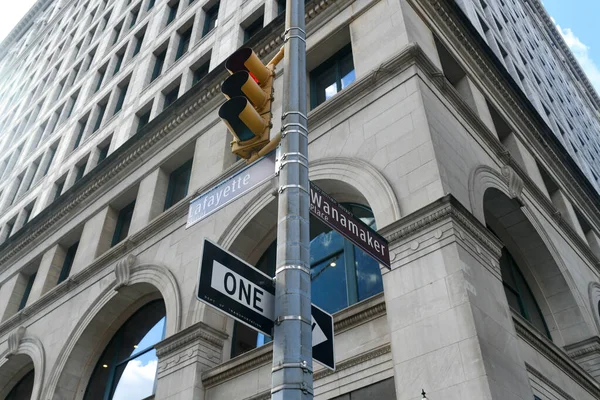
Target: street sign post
{"x":243,"y":292}
{"x":330,"y":212}
{"x":230,"y":189}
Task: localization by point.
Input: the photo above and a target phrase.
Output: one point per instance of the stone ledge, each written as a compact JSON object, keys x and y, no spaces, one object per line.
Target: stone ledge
{"x":198,"y":331}
{"x":344,"y":320}
{"x":546,"y":348}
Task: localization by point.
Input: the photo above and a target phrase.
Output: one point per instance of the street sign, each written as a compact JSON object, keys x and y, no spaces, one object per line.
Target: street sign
{"x":236,"y":288}
{"x":230,"y":189}
{"x":246,"y":294}
{"x":322,"y":337}
{"x":330,"y":212}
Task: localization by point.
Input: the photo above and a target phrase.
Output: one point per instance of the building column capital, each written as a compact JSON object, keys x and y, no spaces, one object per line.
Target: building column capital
{"x":436,"y":225}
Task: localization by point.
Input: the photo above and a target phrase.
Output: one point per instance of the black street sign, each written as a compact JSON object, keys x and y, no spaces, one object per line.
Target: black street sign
{"x":236,"y":288}
{"x":322,"y":337}
{"x":248,"y":295}
{"x":330,"y":212}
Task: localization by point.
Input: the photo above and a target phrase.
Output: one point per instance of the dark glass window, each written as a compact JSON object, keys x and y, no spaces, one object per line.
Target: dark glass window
{"x":134,"y":16}
{"x":100,"y":79}
{"x":130,"y":353}
{"x":200,"y":73}
{"x":171,"y":96}
{"x":118,"y":63}
{"x":123,"y":223}
{"x":341,"y":273}
{"x":121,"y":99}
{"x":58,"y":189}
{"x":519,"y":295}
{"x":23,"y":389}
{"x":210,"y":19}
{"x":172,"y":12}
{"x":71,"y":105}
{"x":28,"y":287}
{"x":103,"y":153}
{"x":80,"y":171}
{"x":27,"y":215}
{"x":253,"y":28}
{"x":158,"y":65}
{"x":184,"y":43}
{"x":139,"y":40}
{"x":101,"y":111}
{"x":143,"y":119}
{"x":50,"y":159}
{"x":117,"y":33}
{"x":280,"y":6}
{"x":68,"y":263}
{"x":151,"y":4}
{"x":179,"y":181}
{"x":80,"y":131}
{"x":332,"y":76}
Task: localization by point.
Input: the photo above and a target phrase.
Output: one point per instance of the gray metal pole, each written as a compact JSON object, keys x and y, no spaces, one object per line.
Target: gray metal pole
{"x":291,"y":376}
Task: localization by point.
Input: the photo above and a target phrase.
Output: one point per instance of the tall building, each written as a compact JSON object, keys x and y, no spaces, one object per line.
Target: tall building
{"x":463,"y":131}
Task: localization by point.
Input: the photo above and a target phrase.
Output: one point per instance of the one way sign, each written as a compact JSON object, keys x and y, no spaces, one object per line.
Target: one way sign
{"x":246,"y":294}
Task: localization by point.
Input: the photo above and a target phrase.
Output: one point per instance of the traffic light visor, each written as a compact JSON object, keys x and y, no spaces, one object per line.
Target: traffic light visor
{"x":242,"y":119}
{"x":242,"y":84}
{"x":246,"y":60}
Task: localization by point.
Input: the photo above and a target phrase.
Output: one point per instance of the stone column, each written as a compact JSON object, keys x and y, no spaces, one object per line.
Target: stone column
{"x":183,"y":357}
{"x":11,"y":293}
{"x":450,"y":326}
{"x":48,"y":272}
{"x":150,"y":200}
{"x":96,"y":238}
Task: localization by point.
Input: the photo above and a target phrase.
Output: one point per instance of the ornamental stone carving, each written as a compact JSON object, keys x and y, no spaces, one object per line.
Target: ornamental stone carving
{"x":123,"y":270}
{"x":14,"y":341}
{"x":514,"y":181}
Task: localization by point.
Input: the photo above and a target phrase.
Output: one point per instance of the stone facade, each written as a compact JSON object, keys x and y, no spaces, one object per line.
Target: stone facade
{"x":454,"y":159}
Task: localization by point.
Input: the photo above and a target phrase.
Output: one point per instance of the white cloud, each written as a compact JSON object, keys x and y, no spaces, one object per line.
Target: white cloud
{"x":137,"y":381}
{"x":582,"y":53}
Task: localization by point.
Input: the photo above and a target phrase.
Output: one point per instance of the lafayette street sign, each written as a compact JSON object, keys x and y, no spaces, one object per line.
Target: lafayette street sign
{"x":231,"y":188}
{"x":328,"y":210}
{"x":248,"y":295}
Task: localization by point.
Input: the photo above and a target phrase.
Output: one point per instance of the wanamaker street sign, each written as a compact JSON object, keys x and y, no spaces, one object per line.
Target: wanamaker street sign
{"x":328,"y":210}
{"x":248,"y":295}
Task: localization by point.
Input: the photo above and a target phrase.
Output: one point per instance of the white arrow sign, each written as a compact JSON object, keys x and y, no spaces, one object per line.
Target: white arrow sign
{"x":318,"y":336}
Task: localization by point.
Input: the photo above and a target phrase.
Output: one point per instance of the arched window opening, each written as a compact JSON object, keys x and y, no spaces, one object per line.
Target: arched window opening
{"x":127,"y":368}
{"x":519,"y":295}
{"x":23,"y":389}
{"x":342,"y":274}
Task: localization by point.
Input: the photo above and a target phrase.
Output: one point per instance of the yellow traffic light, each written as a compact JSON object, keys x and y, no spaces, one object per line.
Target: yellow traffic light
{"x":247,"y":111}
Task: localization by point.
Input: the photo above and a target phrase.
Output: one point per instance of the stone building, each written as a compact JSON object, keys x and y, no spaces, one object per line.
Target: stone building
{"x":463,"y":131}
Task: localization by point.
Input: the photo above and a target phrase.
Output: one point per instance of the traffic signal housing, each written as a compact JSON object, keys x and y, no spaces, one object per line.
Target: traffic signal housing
{"x":247,"y":111}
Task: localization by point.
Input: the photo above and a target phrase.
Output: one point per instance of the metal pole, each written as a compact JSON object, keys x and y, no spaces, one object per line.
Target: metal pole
{"x":291,"y":376}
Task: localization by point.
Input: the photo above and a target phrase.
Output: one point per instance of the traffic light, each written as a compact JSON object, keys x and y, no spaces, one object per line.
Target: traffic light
{"x":247,"y":111}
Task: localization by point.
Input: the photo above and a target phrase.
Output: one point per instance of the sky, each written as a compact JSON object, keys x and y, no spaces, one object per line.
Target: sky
{"x":577,"y":21}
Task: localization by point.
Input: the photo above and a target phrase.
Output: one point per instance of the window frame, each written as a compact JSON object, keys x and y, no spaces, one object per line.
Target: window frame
{"x":211,"y":18}
{"x":185,"y":171}
{"x":126,"y":213}
{"x":333,"y":61}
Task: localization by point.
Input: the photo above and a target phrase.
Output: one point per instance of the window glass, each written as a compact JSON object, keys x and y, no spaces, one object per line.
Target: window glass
{"x":123,"y":223}
{"x":210,"y":19}
{"x":519,"y":295}
{"x":179,"y":181}
{"x":332,"y":76}
{"x":23,"y":389}
{"x":127,"y":368}
{"x":341,"y":274}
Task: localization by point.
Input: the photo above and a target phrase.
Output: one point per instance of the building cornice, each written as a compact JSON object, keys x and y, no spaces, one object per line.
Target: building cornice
{"x":23,"y":24}
{"x":558,"y":357}
{"x":344,"y":320}
{"x":456,"y":27}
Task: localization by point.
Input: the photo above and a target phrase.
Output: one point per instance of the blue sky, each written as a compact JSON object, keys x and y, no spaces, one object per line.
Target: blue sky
{"x":578,"y":21}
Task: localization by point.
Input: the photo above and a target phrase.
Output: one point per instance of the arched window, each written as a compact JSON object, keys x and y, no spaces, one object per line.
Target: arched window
{"x":342,"y":274}
{"x":127,"y":368}
{"x":519,"y":295}
{"x":23,"y":389}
